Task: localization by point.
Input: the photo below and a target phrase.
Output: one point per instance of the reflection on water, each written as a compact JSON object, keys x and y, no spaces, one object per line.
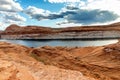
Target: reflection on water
{"x":70,"y":43}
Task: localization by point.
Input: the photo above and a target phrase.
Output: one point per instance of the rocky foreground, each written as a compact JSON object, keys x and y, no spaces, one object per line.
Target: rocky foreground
{"x":59,"y":63}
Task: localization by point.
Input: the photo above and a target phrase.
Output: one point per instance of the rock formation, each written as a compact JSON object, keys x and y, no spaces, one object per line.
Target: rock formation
{"x":18,"y":62}
{"x":79,"y":32}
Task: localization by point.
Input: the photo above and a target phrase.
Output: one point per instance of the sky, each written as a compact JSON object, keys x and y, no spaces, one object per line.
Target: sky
{"x":58,"y":13}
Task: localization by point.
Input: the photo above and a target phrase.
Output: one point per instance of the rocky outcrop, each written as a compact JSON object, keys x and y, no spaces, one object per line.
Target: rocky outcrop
{"x":59,"y":63}
{"x":15,"y":29}
{"x":16,"y":63}
{"x":101,"y":63}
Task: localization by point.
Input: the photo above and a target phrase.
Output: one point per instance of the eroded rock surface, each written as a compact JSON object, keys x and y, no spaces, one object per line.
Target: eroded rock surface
{"x":16,"y":63}
{"x":59,"y":63}
{"x":101,"y":63}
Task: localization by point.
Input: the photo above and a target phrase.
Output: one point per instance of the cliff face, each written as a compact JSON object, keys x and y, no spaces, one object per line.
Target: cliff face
{"x":83,"y":32}
{"x":59,"y":63}
{"x":67,"y":35}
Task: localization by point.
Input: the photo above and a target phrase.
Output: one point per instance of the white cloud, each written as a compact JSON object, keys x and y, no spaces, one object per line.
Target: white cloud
{"x":90,"y":0}
{"x":10,"y":6}
{"x":34,"y":10}
{"x":73,"y":14}
{"x":62,"y":1}
{"x":110,"y":5}
{"x":9,"y":13}
{"x":68,"y":25}
{"x":13,"y":18}
{"x":7,"y":18}
{"x":37,"y":13}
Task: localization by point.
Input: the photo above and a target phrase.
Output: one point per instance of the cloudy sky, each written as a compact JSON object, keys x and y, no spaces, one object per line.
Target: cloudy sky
{"x":58,"y":13}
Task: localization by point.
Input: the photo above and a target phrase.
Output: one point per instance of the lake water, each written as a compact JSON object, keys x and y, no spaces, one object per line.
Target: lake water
{"x":70,"y":43}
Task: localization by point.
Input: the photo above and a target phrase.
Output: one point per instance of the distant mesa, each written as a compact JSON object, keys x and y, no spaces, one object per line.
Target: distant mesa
{"x":76,"y":32}
{"x":12,"y":27}
{"x":25,"y":29}
{"x":116,"y":24}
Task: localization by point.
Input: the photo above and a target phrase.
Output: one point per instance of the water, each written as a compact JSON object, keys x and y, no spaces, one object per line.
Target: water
{"x":70,"y":43}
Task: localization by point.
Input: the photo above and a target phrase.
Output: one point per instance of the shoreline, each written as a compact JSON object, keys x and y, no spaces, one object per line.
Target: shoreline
{"x":67,"y":39}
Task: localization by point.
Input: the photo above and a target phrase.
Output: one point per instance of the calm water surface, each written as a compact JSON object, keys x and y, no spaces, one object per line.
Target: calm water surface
{"x":70,"y":43}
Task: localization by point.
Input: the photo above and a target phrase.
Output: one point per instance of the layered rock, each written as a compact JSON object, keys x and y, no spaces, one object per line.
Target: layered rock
{"x":79,"y":32}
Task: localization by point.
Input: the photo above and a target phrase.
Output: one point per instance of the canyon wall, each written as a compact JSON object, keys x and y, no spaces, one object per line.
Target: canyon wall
{"x":66,"y":35}
{"x":78,"y":32}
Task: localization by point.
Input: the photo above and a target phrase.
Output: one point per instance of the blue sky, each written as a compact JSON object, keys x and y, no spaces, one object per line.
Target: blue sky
{"x":58,"y":13}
